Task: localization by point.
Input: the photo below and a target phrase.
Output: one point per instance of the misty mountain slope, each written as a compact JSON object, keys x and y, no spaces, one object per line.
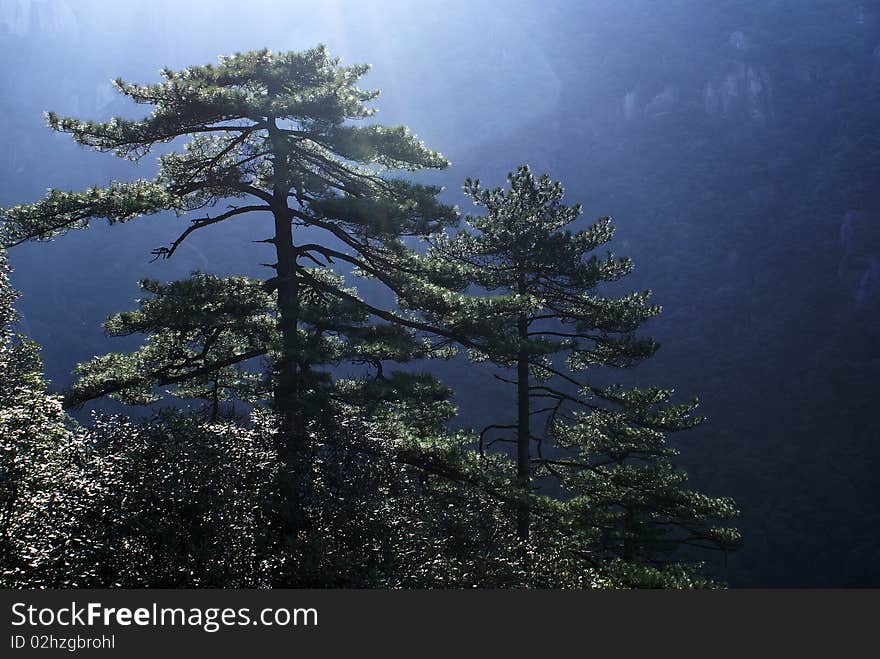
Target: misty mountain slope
{"x":740,"y":179}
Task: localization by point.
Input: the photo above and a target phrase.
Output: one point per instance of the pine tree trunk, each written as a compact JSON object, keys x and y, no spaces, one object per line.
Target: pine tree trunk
{"x":285,"y":392}
{"x":523,"y":457}
{"x":292,"y":438}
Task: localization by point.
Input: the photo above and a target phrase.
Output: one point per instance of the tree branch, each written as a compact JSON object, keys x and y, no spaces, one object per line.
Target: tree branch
{"x":167,"y":252}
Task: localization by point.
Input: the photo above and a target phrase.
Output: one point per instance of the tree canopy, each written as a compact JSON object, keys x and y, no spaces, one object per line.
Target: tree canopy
{"x":304,"y":454}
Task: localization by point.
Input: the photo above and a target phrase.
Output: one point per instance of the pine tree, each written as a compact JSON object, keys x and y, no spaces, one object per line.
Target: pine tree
{"x":604,"y":446}
{"x":275,"y":131}
{"x":275,"y":135}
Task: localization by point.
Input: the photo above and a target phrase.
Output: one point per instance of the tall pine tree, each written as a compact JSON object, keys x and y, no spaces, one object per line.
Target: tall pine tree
{"x":275,"y":131}
{"x":276,"y":135}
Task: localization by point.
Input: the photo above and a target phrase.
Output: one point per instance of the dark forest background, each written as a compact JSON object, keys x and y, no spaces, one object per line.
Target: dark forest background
{"x":736,"y":144}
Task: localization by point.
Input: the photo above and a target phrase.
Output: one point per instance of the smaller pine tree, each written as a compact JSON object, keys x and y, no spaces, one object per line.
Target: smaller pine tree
{"x":601,"y":448}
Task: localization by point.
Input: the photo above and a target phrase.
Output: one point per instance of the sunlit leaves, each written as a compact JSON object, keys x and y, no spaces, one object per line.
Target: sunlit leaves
{"x":393,"y":147}
{"x":62,"y":211}
{"x":42,"y":490}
